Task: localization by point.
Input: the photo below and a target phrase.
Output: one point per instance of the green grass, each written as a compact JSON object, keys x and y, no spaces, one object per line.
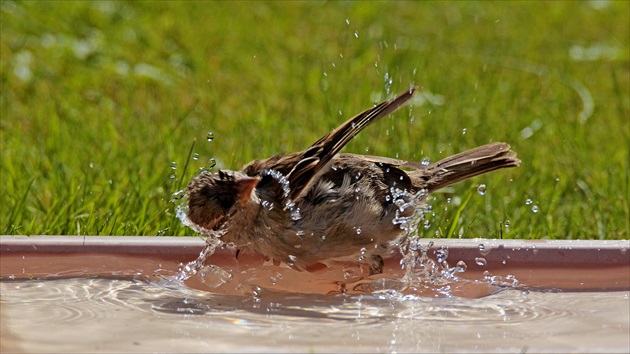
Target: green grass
{"x":106,"y":106}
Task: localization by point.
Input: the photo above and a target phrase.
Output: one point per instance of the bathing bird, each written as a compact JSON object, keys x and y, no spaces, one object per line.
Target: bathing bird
{"x":317,"y":206}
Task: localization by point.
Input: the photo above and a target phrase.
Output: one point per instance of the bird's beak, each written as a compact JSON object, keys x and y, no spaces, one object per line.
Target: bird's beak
{"x":245,"y":186}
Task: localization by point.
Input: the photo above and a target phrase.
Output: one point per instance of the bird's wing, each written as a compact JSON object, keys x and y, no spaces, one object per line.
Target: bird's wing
{"x":318,"y":155}
{"x":300,"y":168}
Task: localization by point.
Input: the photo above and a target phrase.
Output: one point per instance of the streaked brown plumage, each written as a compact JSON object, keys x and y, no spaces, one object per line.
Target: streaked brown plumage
{"x":318,"y":206}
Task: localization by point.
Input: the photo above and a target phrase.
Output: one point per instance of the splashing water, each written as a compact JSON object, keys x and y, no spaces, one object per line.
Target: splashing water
{"x":410,"y":209}
{"x":421,"y":270}
{"x":289,"y":205}
{"x":409,"y":215}
{"x":211,"y":275}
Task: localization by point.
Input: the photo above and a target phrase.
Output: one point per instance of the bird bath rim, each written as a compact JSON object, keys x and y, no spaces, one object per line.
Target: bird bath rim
{"x":559,"y":265}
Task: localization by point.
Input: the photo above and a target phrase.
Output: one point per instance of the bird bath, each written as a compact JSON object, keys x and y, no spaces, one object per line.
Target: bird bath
{"x":77,"y":294}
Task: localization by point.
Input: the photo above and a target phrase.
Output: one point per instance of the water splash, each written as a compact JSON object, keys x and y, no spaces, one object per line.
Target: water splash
{"x":409,"y":209}
{"x":289,"y":205}
{"x":427,"y":267}
{"x":420,"y":269}
{"x":211,"y":275}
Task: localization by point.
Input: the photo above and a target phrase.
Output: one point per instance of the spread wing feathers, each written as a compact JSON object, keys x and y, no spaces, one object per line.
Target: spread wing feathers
{"x":318,"y":155}
{"x":300,"y":167}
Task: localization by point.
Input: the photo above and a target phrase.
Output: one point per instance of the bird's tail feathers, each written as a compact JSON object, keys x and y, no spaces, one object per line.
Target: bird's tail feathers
{"x":465,"y":165}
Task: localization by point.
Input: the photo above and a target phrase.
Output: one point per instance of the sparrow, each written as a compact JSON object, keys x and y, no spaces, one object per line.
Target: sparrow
{"x":317,"y":206}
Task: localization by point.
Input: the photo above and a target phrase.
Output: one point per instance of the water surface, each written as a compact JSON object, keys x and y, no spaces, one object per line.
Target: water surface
{"x":108,"y":315}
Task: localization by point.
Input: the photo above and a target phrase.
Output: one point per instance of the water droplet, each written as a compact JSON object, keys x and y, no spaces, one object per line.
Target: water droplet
{"x":356,"y":34}
{"x":367,"y":149}
{"x":527,"y":132}
{"x":528,"y":201}
{"x":359,"y":233}
{"x":173,"y":165}
{"x":481,"y":189}
{"x":214,"y":276}
{"x":210,"y":136}
{"x":481,"y":261}
{"x":442,"y":254}
{"x":295,"y":214}
{"x":267,"y":204}
{"x":481,"y":247}
{"x":195,"y":156}
{"x":300,"y":233}
{"x":178,"y":195}
{"x":535,"y":208}
{"x":292,"y":258}
{"x":363,"y":250}
{"x":425,"y":161}
{"x":462,"y":266}
{"x":91,"y":164}
{"x":427,"y":224}
{"x":464,"y":131}
{"x":506,"y":223}
{"x":347,"y":21}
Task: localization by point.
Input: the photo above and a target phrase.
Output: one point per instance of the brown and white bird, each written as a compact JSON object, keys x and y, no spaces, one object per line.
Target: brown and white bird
{"x":318,"y":206}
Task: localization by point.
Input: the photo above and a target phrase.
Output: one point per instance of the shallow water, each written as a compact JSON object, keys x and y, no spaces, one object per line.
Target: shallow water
{"x":107,"y":315}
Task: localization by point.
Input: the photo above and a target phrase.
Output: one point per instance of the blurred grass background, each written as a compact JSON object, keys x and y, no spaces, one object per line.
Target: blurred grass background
{"x":106,"y":106}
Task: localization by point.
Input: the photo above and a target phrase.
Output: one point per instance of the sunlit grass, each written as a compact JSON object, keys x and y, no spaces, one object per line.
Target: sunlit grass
{"x":106,"y":106}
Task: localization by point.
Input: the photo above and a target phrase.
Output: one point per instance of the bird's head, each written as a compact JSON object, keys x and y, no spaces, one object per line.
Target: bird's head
{"x":214,"y":198}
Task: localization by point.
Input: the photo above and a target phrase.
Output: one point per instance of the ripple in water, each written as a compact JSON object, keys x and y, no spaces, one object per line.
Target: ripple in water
{"x":78,"y":315}
{"x":79,"y":300}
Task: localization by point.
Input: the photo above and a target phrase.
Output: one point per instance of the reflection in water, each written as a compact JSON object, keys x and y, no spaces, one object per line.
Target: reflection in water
{"x":123,"y":315}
